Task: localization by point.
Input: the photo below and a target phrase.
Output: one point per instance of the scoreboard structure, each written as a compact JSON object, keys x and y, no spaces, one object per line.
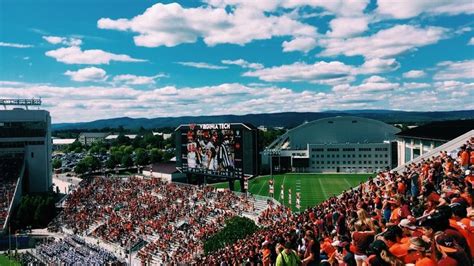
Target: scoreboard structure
{"x":220,"y":150}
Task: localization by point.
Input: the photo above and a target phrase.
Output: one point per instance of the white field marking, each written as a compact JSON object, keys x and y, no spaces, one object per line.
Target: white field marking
{"x":322,"y":188}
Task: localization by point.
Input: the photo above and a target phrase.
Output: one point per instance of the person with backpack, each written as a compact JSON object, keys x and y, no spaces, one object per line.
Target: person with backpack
{"x":288,"y":256}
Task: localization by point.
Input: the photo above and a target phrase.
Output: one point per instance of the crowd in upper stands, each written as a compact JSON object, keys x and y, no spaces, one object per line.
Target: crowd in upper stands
{"x":173,"y":219}
{"x":422,"y":216}
{"x":73,"y":250}
{"x":10,"y":167}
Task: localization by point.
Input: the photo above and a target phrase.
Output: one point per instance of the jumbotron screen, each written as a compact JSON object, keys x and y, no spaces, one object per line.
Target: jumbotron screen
{"x":212,"y":149}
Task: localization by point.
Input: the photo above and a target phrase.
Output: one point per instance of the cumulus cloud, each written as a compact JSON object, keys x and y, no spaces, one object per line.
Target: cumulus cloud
{"x":201,"y":65}
{"x":415,"y":85}
{"x":242,"y":63}
{"x":137,"y":80}
{"x":215,"y":25}
{"x":371,"y":84}
{"x":386,"y":43}
{"x":15,"y":45}
{"x":378,"y":65}
{"x":343,"y":27}
{"x":471,"y":41}
{"x":320,"y":72}
{"x":87,"y":74}
{"x":299,"y":44}
{"x":409,"y":9}
{"x":413,"y":74}
{"x":63,"y":40}
{"x":74,"y":55}
{"x":455,"y":70}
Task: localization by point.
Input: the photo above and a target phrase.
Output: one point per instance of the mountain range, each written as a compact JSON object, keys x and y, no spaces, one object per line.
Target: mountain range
{"x":286,"y":120}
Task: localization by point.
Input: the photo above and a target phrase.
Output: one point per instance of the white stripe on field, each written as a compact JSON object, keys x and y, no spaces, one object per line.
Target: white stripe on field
{"x":322,"y":188}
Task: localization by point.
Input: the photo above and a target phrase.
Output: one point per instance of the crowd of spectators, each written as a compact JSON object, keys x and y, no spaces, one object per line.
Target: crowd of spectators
{"x":10,"y":167}
{"x":172,"y":219}
{"x":73,"y":250}
{"x":422,"y":215}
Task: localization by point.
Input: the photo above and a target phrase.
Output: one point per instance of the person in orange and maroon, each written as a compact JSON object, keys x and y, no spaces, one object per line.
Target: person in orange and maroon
{"x":464,"y":158}
{"x":361,"y":241}
{"x":449,"y":252}
{"x":459,"y":214}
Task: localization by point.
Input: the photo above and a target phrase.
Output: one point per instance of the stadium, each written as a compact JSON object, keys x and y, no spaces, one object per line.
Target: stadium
{"x":334,"y":145}
{"x":139,"y":219}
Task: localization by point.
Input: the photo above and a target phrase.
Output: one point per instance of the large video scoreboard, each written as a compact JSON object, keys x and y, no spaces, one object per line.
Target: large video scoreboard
{"x":226,"y":150}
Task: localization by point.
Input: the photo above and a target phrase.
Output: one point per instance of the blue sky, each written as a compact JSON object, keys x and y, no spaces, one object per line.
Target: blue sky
{"x":95,"y":59}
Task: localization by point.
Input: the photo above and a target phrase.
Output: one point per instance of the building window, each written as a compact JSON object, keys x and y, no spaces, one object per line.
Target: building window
{"x":365,"y":149}
{"x":32,"y":155}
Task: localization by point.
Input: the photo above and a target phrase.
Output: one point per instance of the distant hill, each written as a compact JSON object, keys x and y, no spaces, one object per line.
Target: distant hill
{"x":287,"y":120}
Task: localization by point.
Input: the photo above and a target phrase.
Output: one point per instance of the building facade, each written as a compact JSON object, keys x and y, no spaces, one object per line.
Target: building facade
{"x":334,"y":145}
{"x":87,"y":138}
{"x":28,"y":132}
{"x":419,"y":140}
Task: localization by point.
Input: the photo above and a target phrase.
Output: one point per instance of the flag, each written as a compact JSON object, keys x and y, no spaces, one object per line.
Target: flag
{"x":289,"y":196}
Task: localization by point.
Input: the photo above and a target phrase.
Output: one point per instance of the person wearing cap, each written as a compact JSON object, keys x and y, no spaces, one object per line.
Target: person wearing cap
{"x":381,"y":256}
{"x":416,"y":251}
{"x":449,"y":252}
{"x":266,"y":253}
{"x":458,"y":222}
{"x":288,"y":256}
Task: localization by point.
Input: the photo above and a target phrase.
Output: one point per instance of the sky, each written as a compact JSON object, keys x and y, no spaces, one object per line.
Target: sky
{"x":98,"y":59}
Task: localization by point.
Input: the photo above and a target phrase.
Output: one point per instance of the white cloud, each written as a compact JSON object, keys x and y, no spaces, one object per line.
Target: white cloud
{"x":242,"y":63}
{"x":240,"y":25}
{"x":455,"y":70}
{"x":137,"y":80}
{"x":201,"y":65}
{"x":321,"y":72}
{"x":372,"y":84}
{"x":415,"y":85}
{"x":15,"y":45}
{"x":74,"y":55}
{"x":409,"y":9}
{"x":110,"y":100}
{"x":471,"y":41}
{"x":343,"y":27}
{"x":87,"y":74}
{"x":453,"y":85}
{"x":378,"y":65}
{"x":413,"y":74}
{"x":386,"y":43}
{"x":299,"y":44}
{"x":63,"y":40}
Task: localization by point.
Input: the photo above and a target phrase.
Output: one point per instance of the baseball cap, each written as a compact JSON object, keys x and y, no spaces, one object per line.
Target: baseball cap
{"x":405,"y":223}
{"x":446,"y":243}
{"x":377,"y":246}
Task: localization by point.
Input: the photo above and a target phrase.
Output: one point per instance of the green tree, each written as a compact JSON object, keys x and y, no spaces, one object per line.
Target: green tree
{"x":156,"y":155}
{"x":127,"y":161}
{"x":141,"y":157}
{"x":235,"y":228}
{"x":56,"y":163}
{"x":80,"y":168}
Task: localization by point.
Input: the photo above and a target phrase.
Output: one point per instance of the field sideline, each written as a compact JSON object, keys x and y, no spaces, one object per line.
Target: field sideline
{"x":314,"y":188}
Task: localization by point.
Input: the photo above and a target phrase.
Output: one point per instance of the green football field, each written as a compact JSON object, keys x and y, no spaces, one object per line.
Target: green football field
{"x":314,"y":188}
{"x":5,"y":261}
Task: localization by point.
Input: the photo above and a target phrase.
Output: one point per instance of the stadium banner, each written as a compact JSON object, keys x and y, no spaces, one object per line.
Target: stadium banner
{"x":216,"y":149}
{"x":289,"y":196}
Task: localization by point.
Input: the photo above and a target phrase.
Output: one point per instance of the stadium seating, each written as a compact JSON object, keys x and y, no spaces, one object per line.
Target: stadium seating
{"x":10,"y":167}
{"x":422,"y":215}
{"x":173,"y":219}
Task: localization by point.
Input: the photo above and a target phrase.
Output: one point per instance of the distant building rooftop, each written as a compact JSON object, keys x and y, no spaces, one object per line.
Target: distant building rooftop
{"x":63,"y":141}
{"x":94,"y":134}
{"x":443,"y":130}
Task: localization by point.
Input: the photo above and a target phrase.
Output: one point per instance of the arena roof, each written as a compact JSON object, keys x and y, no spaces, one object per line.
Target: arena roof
{"x":443,"y":130}
{"x":336,"y":130}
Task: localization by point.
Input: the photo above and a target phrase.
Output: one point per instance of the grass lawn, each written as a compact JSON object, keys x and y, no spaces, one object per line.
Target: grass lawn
{"x":314,"y":188}
{"x":5,"y":261}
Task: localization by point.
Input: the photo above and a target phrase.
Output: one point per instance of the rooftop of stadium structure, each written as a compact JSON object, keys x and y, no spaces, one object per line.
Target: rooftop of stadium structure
{"x":336,"y":130}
